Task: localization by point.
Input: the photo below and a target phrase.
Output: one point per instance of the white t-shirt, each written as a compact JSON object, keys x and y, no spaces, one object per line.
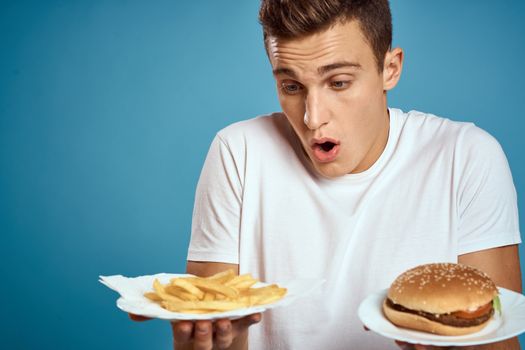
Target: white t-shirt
{"x":439,"y":189}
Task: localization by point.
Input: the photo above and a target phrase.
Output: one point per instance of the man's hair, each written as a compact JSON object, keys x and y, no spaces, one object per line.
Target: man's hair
{"x":290,"y":19}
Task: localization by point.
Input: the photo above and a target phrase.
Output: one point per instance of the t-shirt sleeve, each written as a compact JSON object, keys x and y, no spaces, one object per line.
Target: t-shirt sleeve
{"x":217,"y":209}
{"x":487,"y":201}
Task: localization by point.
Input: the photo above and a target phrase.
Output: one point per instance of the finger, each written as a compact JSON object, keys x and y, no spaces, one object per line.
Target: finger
{"x":223,"y":334}
{"x":404,"y":346}
{"x":138,"y":318}
{"x":241,"y":325}
{"x":408,"y":346}
{"x":432,"y":347}
{"x":254,"y":318}
{"x":182,"y":331}
{"x":203,"y":336}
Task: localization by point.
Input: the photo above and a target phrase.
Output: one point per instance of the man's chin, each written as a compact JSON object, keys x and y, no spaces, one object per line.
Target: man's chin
{"x":329,"y":170}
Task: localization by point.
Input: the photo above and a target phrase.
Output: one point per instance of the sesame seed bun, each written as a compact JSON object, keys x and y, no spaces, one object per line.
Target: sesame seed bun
{"x":442,"y":288}
{"x":430,"y":296}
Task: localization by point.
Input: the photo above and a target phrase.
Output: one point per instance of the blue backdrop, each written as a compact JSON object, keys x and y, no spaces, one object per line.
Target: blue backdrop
{"x":107,"y":109}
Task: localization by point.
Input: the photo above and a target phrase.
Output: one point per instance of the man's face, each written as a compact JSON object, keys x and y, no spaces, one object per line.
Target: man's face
{"x":334,"y":97}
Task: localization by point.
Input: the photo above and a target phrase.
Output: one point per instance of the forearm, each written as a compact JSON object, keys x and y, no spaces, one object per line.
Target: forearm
{"x":503,"y":266}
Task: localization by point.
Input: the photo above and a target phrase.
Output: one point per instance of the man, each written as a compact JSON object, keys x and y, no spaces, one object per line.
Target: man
{"x":342,"y":188}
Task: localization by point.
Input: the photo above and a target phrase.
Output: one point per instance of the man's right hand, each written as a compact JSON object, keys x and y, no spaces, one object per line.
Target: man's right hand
{"x":205,"y":335}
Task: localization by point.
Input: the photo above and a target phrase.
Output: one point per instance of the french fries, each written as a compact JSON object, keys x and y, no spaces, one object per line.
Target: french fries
{"x":223,"y":291}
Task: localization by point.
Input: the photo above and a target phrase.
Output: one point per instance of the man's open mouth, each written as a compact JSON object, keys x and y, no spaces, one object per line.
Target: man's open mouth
{"x":325,"y":150}
{"x":326,"y":146}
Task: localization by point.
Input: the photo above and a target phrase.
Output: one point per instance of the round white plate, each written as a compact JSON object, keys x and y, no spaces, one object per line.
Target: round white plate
{"x":511,"y":323}
{"x":132,"y":300}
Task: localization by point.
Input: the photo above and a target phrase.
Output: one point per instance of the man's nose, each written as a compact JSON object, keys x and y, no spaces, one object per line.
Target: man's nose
{"x":315,"y":115}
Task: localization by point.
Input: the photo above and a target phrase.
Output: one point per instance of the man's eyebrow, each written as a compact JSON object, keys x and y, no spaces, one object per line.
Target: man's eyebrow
{"x":286,"y":71}
{"x":321,"y":70}
{"x":343,"y":64}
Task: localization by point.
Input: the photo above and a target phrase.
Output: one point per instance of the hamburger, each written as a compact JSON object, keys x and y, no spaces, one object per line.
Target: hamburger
{"x":442,"y":298}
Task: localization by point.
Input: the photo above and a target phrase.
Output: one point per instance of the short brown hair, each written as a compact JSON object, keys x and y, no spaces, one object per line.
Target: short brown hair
{"x":289,"y":19}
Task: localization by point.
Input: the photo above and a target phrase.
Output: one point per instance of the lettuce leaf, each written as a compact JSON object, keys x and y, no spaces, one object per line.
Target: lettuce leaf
{"x":496,"y":304}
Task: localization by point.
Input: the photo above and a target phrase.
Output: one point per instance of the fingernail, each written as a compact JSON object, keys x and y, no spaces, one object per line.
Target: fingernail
{"x":224,"y":327}
{"x":202,"y":329}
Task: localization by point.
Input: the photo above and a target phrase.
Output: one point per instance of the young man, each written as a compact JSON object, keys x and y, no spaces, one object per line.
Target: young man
{"x":342,"y":188}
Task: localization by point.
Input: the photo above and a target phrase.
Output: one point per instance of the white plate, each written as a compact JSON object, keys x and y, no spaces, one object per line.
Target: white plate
{"x":132,"y":300}
{"x":510,"y":324}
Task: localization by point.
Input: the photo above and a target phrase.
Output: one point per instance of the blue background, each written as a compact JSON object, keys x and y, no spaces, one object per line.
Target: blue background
{"x":107,"y":109}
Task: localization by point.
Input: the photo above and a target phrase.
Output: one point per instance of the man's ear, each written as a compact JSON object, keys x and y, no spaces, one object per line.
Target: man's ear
{"x":392,"y":68}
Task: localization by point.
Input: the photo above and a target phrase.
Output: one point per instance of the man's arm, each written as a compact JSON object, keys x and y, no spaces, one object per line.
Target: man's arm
{"x":503,"y":266}
{"x":205,"y":269}
{"x":199,"y":335}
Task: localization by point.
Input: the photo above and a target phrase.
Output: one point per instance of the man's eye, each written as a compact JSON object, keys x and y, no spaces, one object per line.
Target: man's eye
{"x":340,"y":84}
{"x":291,"y":88}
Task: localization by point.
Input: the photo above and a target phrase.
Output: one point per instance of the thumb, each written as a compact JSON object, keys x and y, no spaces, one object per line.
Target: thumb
{"x":138,"y":318}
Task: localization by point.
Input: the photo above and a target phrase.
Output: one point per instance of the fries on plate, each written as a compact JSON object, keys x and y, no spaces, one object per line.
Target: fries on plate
{"x":221,"y":292}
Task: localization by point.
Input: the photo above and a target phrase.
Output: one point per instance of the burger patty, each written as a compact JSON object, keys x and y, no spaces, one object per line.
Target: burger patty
{"x":446,"y":319}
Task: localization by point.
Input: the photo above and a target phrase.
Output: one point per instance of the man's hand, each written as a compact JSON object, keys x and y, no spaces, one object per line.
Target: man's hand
{"x":205,"y":335}
{"x":408,"y":346}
